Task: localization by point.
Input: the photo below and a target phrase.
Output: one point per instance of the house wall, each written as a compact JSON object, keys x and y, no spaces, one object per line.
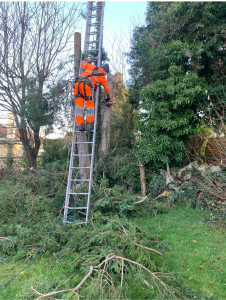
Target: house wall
{"x":17,"y":150}
{"x":3,"y":150}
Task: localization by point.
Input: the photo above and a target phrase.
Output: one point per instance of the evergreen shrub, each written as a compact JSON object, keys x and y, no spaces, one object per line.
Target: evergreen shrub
{"x":55,"y":154}
{"x":121,"y":169}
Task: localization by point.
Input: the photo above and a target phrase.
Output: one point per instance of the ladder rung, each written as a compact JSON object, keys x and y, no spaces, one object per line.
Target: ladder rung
{"x":90,"y":51}
{"x":94,"y":24}
{"x":78,"y":193}
{"x":77,"y":223}
{"x":82,"y":155}
{"x":86,"y":130}
{"x":74,"y":207}
{"x":83,"y":142}
{"x":79,"y":179}
{"x":97,"y":15}
{"x":92,"y":42}
{"x":97,"y":6}
{"x":81,"y":167}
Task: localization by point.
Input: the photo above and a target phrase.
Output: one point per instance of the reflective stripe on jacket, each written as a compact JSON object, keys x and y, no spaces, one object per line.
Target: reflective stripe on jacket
{"x":97,"y":80}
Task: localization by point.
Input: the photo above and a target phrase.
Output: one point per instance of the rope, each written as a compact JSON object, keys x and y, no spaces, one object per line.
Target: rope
{"x":29,"y":264}
{"x":17,"y":274}
{"x":33,"y":259}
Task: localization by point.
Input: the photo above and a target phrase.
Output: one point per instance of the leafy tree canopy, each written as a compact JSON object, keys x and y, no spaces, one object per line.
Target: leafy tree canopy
{"x":168,"y":117}
{"x":176,"y":58}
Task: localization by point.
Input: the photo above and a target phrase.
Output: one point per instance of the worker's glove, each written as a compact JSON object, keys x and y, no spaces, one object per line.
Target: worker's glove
{"x":109,"y":101}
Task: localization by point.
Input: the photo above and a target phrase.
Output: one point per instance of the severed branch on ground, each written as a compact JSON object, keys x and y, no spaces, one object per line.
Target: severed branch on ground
{"x":102,"y":267}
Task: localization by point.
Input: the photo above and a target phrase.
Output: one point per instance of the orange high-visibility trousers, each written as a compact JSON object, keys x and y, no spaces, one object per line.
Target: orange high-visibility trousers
{"x":84,"y":90}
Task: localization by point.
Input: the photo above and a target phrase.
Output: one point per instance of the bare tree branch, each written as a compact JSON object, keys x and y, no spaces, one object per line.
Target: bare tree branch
{"x":33,"y":36}
{"x":158,"y":282}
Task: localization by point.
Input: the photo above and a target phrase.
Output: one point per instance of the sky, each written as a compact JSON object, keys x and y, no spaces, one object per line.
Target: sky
{"x":121,"y":14}
{"x":120,"y":18}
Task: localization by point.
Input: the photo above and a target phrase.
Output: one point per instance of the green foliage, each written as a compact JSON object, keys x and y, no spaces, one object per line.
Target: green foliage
{"x":29,"y":206}
{"x":197,"y":26}
{"x":55,"y":154}
{"x":157,"y":185}
{"x":89,"y":246}
{"x":31,"y":220}
{"x":115,"y":200}
{"x":122,"y":135}
{"x":177,"y":56}
{"x":35,"y":107}
{"x":196,"y":250}
{"x":193,"y":249}
{"x":37,"y":200}
{"x":206,"y":133}
{"x":46,"y":273}
{"x":120,"y":168}
{"x":168,"y":117}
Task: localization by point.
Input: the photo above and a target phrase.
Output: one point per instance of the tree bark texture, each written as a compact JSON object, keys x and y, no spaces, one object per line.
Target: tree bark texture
{"x":84,"y":161}
{"x":142,"y":179}
{"x":106,"y":123}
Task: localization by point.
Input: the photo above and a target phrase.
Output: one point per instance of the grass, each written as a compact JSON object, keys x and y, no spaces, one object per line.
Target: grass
{"x":194,"y":256}
{"x":196,"y":252}
{"x":44,"y":274}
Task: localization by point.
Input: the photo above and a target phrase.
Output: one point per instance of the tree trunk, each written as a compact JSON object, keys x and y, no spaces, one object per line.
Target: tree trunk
{"x":106,"y":128}
{"x":84,"y":161}
{"x":30,"y":152}
{"x":142,"y":179}
{"x":31,"y":159}
{"x":169,"y":178}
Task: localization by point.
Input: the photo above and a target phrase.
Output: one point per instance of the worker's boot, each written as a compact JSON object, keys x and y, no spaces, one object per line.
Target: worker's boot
{"x":89,"y":126}
{"x":80,"y":127}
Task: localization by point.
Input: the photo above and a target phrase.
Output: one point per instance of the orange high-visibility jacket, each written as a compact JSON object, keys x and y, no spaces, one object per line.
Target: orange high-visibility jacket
{"x":97,"y":80}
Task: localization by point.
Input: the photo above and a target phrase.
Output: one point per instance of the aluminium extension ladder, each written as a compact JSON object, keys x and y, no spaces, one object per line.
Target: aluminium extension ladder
{"x":79,"y":184}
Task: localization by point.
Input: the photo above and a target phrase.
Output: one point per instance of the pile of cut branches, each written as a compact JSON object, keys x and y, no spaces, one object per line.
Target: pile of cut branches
{"x":116,"y":259}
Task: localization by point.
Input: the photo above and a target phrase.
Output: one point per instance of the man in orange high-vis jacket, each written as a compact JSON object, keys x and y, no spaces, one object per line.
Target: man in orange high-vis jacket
{"x":84,"y":86}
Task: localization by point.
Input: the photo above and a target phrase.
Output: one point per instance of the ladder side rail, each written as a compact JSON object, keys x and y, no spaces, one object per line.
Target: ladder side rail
{"x":66,"y":204}
{"x":101,"y":35}
{"x":95,"y":117}
{"x":92,"y":157}
{"x":80,"y":136}
{"x":88,"y":21}
{"x":73,"y":142}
